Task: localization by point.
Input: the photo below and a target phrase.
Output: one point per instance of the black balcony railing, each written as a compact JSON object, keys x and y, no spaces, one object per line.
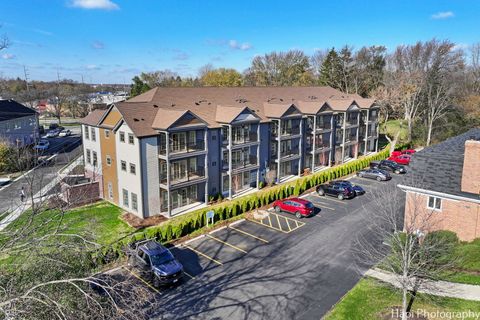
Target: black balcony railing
{"x":324,"y":126}
{"x":183,"y":148}
{"x":246,"y":138}
{"x":189,"y":175}
{"x":290,"y":131}
{"x":289,"y":153}
{"x":251,"y":161}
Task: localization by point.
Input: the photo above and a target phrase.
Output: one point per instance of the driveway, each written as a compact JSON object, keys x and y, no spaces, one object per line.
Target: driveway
{"x":281,"y":268}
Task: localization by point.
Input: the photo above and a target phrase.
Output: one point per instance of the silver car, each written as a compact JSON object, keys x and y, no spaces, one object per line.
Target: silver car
{"x":377,"y":174}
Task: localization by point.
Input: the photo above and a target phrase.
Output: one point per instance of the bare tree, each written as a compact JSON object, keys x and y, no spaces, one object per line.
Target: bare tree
{"x":404,"y":245}
{"x":438,"y":101}
{"x":4,"y":41}
{"x":475,"y":67}
{"x":49,"y":274}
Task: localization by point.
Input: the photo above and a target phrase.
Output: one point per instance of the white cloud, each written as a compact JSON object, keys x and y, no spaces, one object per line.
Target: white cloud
{"x":92,"y":67}
{"x":95,"y":4}
{"x":443,"y":15}
{"x":43,"y":32}
{"x":234,"y":44}
{"x":98,"y":45}
{"x":8,"y":56}
{"x":461,"y":46}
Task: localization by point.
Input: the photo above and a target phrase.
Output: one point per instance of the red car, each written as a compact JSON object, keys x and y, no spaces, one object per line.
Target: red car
{"x":409,"y":151}
{"x":299,"y":207}
{"x":396,"y":153}
{"x":401,"y":159}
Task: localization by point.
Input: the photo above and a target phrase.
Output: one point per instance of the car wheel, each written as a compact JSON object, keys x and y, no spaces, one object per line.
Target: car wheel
{"x":397,"y":172}
{"x":360,"y":175}
{"x":340,"y":196}
{"x":156,"y":282}
{"x":277,"y":209}
{"x":321,"y":192}
{"x":379,"y":179}
{"x":298,"y":215}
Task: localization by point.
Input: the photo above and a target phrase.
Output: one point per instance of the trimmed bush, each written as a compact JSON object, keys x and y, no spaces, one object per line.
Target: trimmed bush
{"x":181,"y":226}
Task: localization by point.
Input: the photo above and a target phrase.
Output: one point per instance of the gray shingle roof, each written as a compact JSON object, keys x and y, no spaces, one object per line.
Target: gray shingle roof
{"x":10,"y":109}
{"x":439,"y":167}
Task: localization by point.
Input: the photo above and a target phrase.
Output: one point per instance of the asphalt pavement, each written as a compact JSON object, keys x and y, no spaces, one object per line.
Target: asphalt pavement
{"x":65,"y":148}
{"x":277,"y":268}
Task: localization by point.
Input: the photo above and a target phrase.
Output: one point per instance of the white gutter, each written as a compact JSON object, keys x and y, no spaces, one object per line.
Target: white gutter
{"x":438,"y":194}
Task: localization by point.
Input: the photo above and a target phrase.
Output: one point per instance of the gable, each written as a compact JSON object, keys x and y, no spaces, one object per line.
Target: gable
{"x":325,"y":108}
{"x":112,"y":118}
{"x":246,"y":115}
{"x":188,"y":119}
{"x":292,"y":111}
{"x":353,"y":107}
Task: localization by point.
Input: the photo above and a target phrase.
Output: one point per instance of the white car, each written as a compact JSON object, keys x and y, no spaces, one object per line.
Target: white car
{"x":65,"y":133}
{"x":42,"y":145}
{"x":52,"y":134}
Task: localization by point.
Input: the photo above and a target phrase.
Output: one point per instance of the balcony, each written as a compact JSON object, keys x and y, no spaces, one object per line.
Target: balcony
{"x":251,"y":161}
{"x":289,"y":153}
{"x":183,"y":148}
{"x":324,"y":126}
{"x":187,"y":176}
{"x":241,"y":139}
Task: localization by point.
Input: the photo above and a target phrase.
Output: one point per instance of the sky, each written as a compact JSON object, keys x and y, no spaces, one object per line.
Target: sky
{"x":110,"y":41}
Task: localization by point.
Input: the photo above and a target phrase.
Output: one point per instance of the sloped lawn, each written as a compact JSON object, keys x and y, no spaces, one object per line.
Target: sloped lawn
{"x":371,"y":300}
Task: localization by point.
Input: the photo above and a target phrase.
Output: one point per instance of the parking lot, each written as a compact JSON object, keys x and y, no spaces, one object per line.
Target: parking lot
{"x":278,"y":268}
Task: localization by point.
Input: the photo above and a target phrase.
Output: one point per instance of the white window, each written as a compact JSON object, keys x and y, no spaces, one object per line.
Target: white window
{"x":122,"y":136}
{"x":110,"y":191}
{"x":125,"y":197}
{"x":130,"y":138}
{"x":133,"y":169}
{"x":434,"y":203}
{"x":109,"y":160}
{"x":87,"y":136}
{"x":134,"y":201}
{"x":94,"y":153}
{"x":123,"y":165}
{"x":89,"y":156}
{"x":92,"y":132}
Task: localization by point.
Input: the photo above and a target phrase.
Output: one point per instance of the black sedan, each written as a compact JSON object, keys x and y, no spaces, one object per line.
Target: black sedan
{"x":358,"y":190}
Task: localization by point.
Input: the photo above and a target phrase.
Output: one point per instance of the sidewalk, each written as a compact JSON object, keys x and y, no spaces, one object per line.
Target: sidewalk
{"x":437,"y":288}
{"x":41,"y":195}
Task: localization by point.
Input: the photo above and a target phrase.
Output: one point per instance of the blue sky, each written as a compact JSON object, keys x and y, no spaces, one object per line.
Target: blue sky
{"x":110,"y":41}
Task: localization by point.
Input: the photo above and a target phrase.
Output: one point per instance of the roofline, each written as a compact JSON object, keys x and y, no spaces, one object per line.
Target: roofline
{"x":105,"y":113}
{"x":439,"y":194}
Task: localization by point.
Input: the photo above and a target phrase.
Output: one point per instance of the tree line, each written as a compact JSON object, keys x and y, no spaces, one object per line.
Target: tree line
{"x":424,"y":86}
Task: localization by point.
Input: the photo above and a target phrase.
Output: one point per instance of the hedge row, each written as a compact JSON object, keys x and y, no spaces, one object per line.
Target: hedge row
{"x":186,"y":224}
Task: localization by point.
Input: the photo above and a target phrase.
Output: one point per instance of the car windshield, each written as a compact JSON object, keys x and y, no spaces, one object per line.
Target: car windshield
{"x":309,"y":205}
{"x":161,"y":258}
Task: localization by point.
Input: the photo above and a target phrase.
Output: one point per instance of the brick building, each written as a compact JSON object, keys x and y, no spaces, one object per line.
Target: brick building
{"x":443,"y":187}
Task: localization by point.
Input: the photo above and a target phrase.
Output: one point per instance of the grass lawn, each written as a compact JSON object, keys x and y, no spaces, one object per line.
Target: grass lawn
{"x":393,"y":126}
{"x":100,"y":221}
{"x":468,"y":267}
{"x":370,"y":300}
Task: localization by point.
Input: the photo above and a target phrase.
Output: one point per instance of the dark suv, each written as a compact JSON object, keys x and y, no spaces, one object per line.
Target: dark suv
{"x":155,"y":262}
{"x":388,"y":165}
{"x":339,"y":190}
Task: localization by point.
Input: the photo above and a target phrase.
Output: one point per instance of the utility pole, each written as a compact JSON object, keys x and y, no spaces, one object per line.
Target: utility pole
{"x":25,"y":72}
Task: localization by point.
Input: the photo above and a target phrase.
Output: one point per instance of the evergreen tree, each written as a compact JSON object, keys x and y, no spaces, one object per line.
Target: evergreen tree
{"x":331,"y":70}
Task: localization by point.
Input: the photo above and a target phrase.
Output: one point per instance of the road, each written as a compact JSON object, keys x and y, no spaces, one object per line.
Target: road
{"x":283,"y":269}
{"x":67,"y":149}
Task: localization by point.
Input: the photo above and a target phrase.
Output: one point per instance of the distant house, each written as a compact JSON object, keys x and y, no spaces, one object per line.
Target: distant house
{"x":18,"y":123}
{"x":444,"y":184}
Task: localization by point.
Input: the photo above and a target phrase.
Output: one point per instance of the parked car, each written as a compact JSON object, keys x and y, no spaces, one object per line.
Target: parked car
{"x":403,"y":159}
{"x":396,"y":153}
{"x":4,"y":181}
{"x":65,"y":133}
{"x":52,"y":133}
{"x":358,"y":190}
{"x":388,"y":165}
{"x":409,"y":151}
{"x":377,"y":174}
{"x":155,"y":262}
{"x":339,"y":190}
{"x":42,"y":145}
{"x":299,"y":207}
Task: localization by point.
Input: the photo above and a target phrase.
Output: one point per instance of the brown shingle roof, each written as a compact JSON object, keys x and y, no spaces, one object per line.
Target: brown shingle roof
{"x":93,"y":118}
{"x":216,"y":105}
{"x":165,"y":118}
{"x":365,"y":103}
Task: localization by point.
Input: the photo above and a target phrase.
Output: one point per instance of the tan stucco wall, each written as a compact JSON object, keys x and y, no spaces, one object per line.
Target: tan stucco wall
{"x":109,"y":172}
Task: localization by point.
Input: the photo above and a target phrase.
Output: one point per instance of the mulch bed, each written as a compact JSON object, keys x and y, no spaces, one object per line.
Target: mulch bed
{"x":136,"y":222}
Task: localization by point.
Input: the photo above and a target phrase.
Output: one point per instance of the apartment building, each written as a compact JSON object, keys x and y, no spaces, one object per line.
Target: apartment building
{"x":443,"y":187}
{"x":166,"y":151}
{"x":18,"y":123}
